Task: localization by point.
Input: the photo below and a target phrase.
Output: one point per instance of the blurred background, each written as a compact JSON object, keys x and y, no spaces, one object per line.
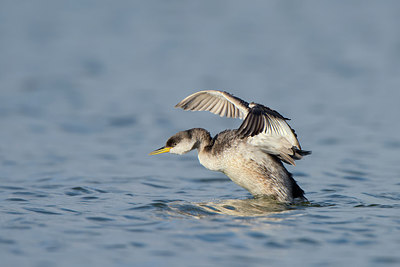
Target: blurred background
{"x":87,"y":89}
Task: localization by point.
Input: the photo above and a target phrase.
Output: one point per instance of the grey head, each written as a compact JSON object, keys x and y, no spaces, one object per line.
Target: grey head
{"x":180,"y":143}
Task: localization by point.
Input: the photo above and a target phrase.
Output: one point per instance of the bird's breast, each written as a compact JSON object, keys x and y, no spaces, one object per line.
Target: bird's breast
{"x":211,"y":162}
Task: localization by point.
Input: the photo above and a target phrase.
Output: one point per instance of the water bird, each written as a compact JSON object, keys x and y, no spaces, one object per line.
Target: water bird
{"x":252,"y":155}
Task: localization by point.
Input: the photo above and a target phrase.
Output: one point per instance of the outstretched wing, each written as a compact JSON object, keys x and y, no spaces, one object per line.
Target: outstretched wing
{"x":261,"y":119}
{"x":217,"y":102}
{"x":263,"y":127}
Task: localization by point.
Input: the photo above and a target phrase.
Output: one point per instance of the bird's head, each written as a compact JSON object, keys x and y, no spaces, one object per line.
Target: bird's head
{"x":179,"y":143}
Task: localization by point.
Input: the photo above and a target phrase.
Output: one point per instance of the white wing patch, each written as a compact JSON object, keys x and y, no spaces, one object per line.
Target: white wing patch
{"x":274,"y":145}
{"x":279,"y":127}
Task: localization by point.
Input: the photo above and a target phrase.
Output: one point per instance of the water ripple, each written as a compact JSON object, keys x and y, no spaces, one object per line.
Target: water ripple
{"x":99,"y":219}
{"x":7,"y":241}
{"x":386,"y":260}
{"x":386,"y":195}
{"x":215,"y":237}
{"x":42,"y":211}
{"x":155,"y":185}
{"x":79,"y":190}
{"x":123,"y":121}
{"x":11,"y":188}
{"x":16,"y":199}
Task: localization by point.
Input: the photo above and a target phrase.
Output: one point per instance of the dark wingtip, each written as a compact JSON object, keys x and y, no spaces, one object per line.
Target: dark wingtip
{"x":299,"y":154}
{"x":304,"y":152}
{"x":179,"y":105}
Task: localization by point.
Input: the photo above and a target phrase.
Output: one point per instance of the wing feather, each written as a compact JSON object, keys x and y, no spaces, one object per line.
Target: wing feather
{"x":233,"y":111}
{"x":224,"y":109}
{"x":214,"y":106}
{"x":204,"y":104}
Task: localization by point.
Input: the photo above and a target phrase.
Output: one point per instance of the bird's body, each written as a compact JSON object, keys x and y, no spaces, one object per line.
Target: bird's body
{"x":251,"y":155}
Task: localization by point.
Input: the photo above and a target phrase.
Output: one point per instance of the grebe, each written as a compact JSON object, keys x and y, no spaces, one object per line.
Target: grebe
{"x":250,"y":156}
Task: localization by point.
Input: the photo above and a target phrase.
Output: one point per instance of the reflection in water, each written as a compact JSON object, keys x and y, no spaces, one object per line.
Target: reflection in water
{"x":235,"y":207}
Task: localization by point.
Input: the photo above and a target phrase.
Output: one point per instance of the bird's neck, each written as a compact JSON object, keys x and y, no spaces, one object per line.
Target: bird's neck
{"x":202,"y":138}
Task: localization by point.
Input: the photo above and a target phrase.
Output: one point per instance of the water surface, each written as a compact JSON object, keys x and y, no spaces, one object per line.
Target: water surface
{"x":87,"y":89}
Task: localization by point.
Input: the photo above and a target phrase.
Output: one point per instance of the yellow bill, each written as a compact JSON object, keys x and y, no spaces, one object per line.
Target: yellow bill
{"x":160,"y":151}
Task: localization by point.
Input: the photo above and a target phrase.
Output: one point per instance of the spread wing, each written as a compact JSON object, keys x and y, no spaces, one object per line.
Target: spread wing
{"x":263,"y":127}
{"x":217,"y":102}
{"x":269,"y":131}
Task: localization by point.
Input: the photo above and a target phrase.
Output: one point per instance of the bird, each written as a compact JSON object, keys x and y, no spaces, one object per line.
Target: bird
{"x":252,"y":156}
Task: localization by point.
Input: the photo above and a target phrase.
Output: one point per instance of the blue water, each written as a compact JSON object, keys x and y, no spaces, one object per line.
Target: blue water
{"x":87,"y":89}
